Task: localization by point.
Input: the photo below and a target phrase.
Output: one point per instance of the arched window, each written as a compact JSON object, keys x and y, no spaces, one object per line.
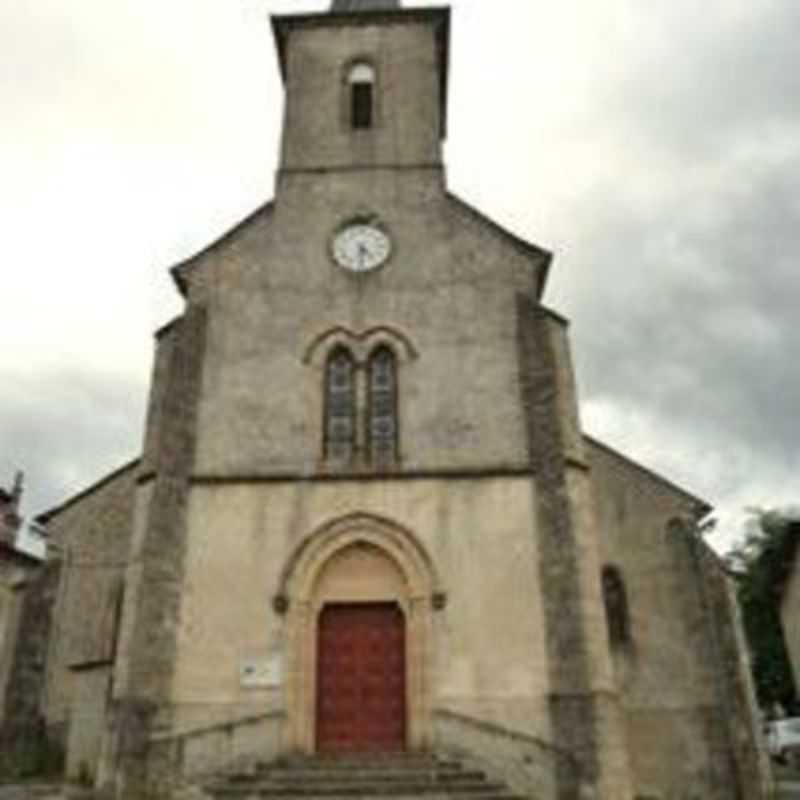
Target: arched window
{"x":340,"y":406}
{"x":382,"y":406}
{"x":615,"y":598}
{"x":361,"y":83}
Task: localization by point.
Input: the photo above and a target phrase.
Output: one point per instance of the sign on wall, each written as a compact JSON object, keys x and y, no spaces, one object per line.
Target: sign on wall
{"x":261,"y":673}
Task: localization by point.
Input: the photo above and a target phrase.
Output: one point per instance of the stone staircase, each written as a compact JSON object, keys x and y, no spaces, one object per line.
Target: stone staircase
{"x":390,"y":777}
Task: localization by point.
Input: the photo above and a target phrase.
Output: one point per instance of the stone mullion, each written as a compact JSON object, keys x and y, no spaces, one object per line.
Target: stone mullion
{"x":362,"y":420}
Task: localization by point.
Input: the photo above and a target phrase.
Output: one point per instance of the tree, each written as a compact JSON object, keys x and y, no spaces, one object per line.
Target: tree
{"x":760,"y":566}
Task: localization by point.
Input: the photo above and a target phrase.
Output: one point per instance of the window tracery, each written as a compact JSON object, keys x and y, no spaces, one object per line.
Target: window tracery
{"x":360,"y":425}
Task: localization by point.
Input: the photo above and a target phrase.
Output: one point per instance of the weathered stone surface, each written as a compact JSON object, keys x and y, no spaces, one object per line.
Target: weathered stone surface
{"x":364,"y":5}
{"x":154,"y":585}
{"x":582,"y":699}
{"x":89,"y":541}
{"x":683,"y":677}
{"x":30,"y":743}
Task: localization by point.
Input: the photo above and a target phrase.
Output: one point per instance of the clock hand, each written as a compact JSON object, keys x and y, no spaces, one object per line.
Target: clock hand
{"x":363,"y":252}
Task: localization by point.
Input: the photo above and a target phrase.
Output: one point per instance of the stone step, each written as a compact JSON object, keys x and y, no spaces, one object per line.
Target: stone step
{"x":244,"y":793}
{"x":366,"y":788}
{"x":432,"y":774}
{"x":393,"y":777}
{"x":377,"y":762}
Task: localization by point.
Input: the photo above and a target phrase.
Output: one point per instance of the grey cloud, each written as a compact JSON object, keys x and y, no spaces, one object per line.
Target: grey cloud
{"x":714,"y":358}
{"x":684,"y":282}
{"x":66,"y":430}
{"x":707,"y":89}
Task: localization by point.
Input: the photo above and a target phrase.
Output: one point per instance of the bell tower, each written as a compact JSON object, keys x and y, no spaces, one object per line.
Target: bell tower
{"x":366,"y":86}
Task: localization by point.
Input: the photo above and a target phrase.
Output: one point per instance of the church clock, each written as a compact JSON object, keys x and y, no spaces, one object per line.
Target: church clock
{"x":361,"y":247}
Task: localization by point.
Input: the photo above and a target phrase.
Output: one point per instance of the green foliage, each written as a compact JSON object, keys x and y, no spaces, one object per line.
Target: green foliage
{"x":761,"y":564}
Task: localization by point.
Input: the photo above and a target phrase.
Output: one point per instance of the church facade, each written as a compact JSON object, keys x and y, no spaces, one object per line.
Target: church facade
{"x":366,"y":518}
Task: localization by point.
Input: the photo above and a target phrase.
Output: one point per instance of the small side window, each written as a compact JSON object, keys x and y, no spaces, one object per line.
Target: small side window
{"x":615,"y":598}
{"x":361,"y":83}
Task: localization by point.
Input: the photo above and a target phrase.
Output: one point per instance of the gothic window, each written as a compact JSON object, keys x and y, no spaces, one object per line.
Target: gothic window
{"x":382,"y":407}
{"x":615,"y":599}
{"x":361,"y":80}
{"x":340,"y":403}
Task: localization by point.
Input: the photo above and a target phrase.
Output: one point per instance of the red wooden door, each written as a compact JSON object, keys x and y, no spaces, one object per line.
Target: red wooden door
{"x":361,"y":686}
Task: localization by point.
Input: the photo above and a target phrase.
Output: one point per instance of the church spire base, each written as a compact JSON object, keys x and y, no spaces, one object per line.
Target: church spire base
{"x":364,"y":5}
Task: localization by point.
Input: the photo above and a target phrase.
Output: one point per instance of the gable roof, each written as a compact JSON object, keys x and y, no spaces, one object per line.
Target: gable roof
{"x":46,"y":516}
{"x":544,"y":257}
{"x":180,"y":271}
{"x":702,"y":507}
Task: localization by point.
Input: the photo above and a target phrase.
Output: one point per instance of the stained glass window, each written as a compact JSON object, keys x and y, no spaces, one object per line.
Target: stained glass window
{"x":340,"y":401}
{"x":382,"y":426}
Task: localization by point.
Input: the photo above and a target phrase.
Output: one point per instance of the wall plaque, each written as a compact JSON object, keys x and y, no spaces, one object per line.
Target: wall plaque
{"x":261,"y":673}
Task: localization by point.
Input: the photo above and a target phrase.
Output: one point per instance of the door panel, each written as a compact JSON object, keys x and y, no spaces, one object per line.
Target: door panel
{"x":361,"y":686}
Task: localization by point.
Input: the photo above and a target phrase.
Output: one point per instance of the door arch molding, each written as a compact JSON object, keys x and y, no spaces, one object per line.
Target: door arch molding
{"x":301,"y":603}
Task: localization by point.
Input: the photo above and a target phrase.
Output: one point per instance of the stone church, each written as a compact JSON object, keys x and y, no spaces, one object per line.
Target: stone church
{"x":366,"y":520}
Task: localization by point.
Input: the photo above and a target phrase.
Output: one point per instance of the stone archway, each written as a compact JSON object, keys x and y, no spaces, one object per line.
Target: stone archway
{"x":357,"y":559}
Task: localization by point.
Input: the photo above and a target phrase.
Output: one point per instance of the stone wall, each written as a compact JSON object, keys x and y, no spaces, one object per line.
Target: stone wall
{"x":68,"y":621}
{"x":450,"y":290}
{"x":584,"y":707}
{"x":479,"y":534}
{"x":155,"y":583}
{"x":90,"y":537}
{"x":407,"y":129}
{"x":531,"y":767}
{"x":13,"y":581}
{"x":10,"y":520}
{"x":684,"y":684}
{"x":28,"y":745}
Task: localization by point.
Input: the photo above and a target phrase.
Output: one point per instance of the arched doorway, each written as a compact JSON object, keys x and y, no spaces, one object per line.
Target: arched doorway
{"x":359,"y":596}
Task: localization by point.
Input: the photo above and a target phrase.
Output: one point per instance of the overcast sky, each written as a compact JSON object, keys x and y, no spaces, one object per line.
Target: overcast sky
{"x":654,"y":146}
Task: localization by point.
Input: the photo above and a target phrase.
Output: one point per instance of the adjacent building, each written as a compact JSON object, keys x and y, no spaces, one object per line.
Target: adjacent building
{"x":790,"y":596}
{"x":16,"y":567}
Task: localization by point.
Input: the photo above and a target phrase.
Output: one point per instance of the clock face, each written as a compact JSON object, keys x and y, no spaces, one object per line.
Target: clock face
{"x":361,"y":247}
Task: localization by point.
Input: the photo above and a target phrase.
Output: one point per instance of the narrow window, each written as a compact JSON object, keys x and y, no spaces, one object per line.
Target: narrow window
{"x":361,"y":81}
{"x":340,"y":426}
{"x":382,"y":408}
{"x":615,"y":599}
